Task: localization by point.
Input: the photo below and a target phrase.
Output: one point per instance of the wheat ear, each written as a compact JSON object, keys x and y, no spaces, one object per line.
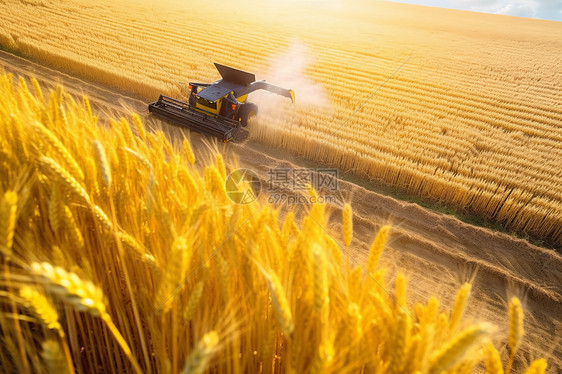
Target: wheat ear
{"x":194,"y":300}
{"x":127,"y":133}
{"x":317,"y":209}
{"x":53,"y":357}
{"x":59,"y":147}
{"x":401,"y":343}
{"x":84,"y":296}
{"x":102,"y":218}
{"x":188,"y":151}
{"x":347,"y":217}
{"x":515,"y":330}
{"x":131,"y":243}
{"x":400,"y":291}
{"x":38,"y":91}
{"x":221,"y":167}
{"x":537,"y":367}
{"x":8,"y":210}
{"x":199,"y":359}
{"x":72,"y":227}
{"x":139,"y":157}
{"x":87,"y":106}
{"x":455,"y":351}
{"x":460,"y":306}
{"x":493,"y":360}
{"x":139,"y":125}
{"x":376,"y":249}
{"x":42,"y":308}
{"x":280,"y":304}
{"x":38,"y":304}
{"x":103,"y":165}
{"x":55,"y":208}
{"x":51,"y":167}
{"x":320,"y":280}
{"x":174,"y":275}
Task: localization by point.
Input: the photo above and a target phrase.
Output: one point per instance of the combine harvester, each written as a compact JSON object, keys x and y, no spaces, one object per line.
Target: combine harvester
{"x":220,"y":109}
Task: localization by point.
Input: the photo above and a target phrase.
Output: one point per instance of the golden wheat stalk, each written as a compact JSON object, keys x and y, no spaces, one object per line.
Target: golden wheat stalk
{"x":323,"y":356}
{"x":221,"y":167}
{"x":537,"y":367}
{"x":425,"y":347}
{"x":460,"y":306}
{"x":61,"y":116}
{"x":52,"y":168}
{"x":38,"y":91}
{"x":84,"y":296}
{"x":60,"y":149}
{"x":199,"y":359}
{"x":320,"y":280}
{"x":456,"y":349}
{"x":215,"y":183}
{"x":8,"y":210}
{"x":347,"y":217}
{"x":515,"y":324}
{"x":442,"y":328}
{"x":194,"y":300}
{"x":55,"y":208}
{"x":401,"y":343}
{"x":188,"y":179}
{"x":173,"y":275}
{"x":72,"y":228}
{"x":188,"y":151}
{"x":334,"y":250}
{"x":224,"y":276}
{"x":102,"y":218}
{"x":53,"y":357}
{"x":492,"y":359}
{"x":139,"y":126}
{"x":515,"y":330}
{"x":412,"y":363}
{"x":317,"y":209}
{"x":376,"y":249}
{"x":401,"y":291}
{"x":26,"y":100}
{"x":127,"y":133}
{"x":40,"y":307}
{"x":102,"y":164}
{"x":280,"y":304}
{"x":87,"y":106}
{"x":131,"y":243}
{"x":140,"y":158}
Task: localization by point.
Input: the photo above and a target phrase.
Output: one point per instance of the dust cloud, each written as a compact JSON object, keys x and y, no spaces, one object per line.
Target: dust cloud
{"x":288,"y":70}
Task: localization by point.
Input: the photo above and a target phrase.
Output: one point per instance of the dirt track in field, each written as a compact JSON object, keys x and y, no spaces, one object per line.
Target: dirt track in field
{"x":437,"y":252}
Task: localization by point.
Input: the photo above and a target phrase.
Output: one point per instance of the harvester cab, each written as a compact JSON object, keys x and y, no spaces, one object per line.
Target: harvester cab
{"x":220,"y":108}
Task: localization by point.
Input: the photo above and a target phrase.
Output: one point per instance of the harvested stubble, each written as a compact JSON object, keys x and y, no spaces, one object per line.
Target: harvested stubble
{"x":172,"y":276}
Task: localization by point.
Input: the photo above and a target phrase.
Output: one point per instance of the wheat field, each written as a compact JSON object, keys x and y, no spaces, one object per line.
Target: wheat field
{"x":470,"y":117}
{"x":122,"y":253}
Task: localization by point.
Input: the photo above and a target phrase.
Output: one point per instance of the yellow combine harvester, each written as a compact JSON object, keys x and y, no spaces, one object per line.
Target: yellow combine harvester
{"x":221,"y":108}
